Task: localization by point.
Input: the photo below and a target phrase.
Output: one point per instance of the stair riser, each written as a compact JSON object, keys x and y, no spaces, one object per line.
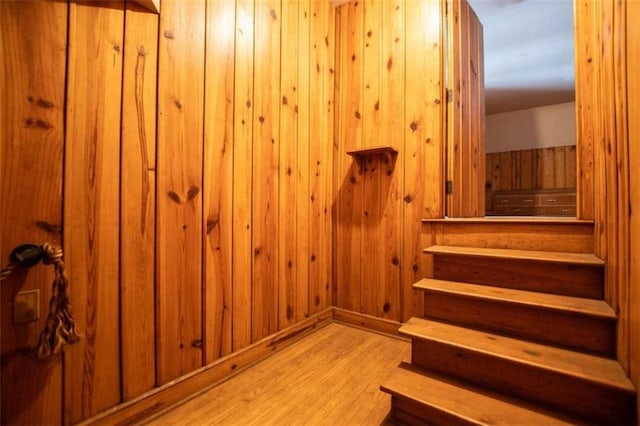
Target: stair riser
{"x":408,"y":412}
{"x":590,"y":400}
{"x":558,"y":328}
{"x":569,"y":280}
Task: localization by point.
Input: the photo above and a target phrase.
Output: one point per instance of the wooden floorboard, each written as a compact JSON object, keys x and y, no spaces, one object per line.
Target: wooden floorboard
{"x":330,"y":377}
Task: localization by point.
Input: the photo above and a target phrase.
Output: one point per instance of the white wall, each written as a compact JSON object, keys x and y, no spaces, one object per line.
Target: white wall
{"x":541,"y":127}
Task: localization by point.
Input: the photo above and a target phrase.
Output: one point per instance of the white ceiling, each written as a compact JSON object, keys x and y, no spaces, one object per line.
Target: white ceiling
{"x":529,"y":53}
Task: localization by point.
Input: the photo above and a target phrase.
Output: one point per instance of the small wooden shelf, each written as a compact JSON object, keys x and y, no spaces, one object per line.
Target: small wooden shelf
{"x":374,"y":150}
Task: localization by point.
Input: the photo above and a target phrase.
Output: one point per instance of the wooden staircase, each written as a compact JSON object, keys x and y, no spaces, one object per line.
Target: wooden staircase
{"x":512,"y":337}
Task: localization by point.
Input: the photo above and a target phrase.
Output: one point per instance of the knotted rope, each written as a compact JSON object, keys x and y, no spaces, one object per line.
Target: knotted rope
{"x":60,"y":329}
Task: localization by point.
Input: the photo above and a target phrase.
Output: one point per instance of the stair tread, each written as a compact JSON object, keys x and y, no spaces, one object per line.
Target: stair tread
{"x":472,"y":404}
{"x":579,"y":305}
{"x":591,"y":368}
{"x":530,"y":255}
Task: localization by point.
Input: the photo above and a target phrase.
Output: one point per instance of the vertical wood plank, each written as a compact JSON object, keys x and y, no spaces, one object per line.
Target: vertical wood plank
{"x":618,"y":174}
{"x":218,"y":182}
{"x":455,"y":125}
{"x":179,"y":199}
{"x":316,"y":167}
{"x":302,"y":160}
{"x":350,"y":192}
{"x":242,"y":175}
{"x":586,"y":93}
{"x":266,"y":146}
{"x":137,"y":196}
{"x":371,"y":212}
{"x":391,"y":168}
{"x":633,"y":87}
{"x":325,"y":292}
{"x":287,"y":239}
{"x":423,"y":140}
{"x":91,"y":213}
{"x":32,"y":84}
{"x":570,"y":166}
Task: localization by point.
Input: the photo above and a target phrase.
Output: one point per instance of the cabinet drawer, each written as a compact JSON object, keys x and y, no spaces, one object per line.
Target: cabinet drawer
{"x":556,"y":211}
{"x":517,"y":200}
{"x":515,"y":210}
{"x":557,"y":199}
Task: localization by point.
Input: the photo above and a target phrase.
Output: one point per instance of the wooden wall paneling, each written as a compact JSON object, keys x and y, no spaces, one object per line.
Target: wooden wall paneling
{"x":559,"y":174}
{"x":618,"y":175}
{"x":288,"y":204}
{"x":349,"y":197}
{"x":32,"y":84}
{"x":325,"y":290}
{"x":137,"y":198}
{"x":391,"y":168}
{"x":633,"y":88}
{"x":466,"y":132}
{"x":570,"y":167}
{"x":337,"y":147}
{"x":526,"y":163}
{"x":218,"y":182}
{"x":478,"y":118}
{"x":179,"y":187}
{"x":370,"y":261}
{"x":242,"y":253}
{"x":91,"y":206}
{"x":464,"y":159}
{"x":541,"y":168}
{"x":302,"y":106}
{"x":547,"y":168}
{"x":320,"y":153}
{"x":266,"y":152}
{"x":423,"y":192}
{"x":454,"y":119}
{"x":586,"y":94}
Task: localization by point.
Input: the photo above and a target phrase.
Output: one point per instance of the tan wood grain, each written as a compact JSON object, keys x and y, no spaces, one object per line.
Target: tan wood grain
{"x":371,"y":267}
{"x":540,"y":168}
{"x":391,"y":167}
{"x":242,"y":164}
{"x":350,"y":194}
{"x":422,"y":141}
{"x":196,"y":382}
{"x":447,"y":401}
{"x":179,"y":179}
{"x":331,"y":358}
{"x":321,"y":153}
{"x":218,"y":178}
{"x":586,"y":98}
{"x":561,"y":235}
{"x":302,"y":170}
{"x":633,"y":86}
{"x":288,"y":204}
{"x":266,"y":146}
{"x":137,"y":197}
{"x":33,"y":39}
{"x":91,"y":199}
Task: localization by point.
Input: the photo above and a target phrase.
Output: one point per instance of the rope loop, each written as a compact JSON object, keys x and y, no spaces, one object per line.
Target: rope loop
{"x":52,"y":254}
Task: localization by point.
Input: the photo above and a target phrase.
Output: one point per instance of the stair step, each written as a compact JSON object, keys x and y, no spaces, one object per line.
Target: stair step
{"x":546,"y":317}
{"x":526,"y":255}
{"x":433,"y":399}
{"x":569,"y":274}
{"x":587,"y":385}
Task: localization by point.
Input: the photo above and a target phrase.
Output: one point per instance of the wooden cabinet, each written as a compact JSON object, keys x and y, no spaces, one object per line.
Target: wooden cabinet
{"x":535,"y":202}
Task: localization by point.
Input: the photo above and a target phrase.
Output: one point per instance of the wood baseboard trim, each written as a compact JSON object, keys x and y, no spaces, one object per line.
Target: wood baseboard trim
{"x":368,"y":322}
{"x":202,"y":379}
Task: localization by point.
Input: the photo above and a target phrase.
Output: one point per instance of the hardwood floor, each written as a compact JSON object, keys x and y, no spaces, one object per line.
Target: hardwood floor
{"x":330,"y":377}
